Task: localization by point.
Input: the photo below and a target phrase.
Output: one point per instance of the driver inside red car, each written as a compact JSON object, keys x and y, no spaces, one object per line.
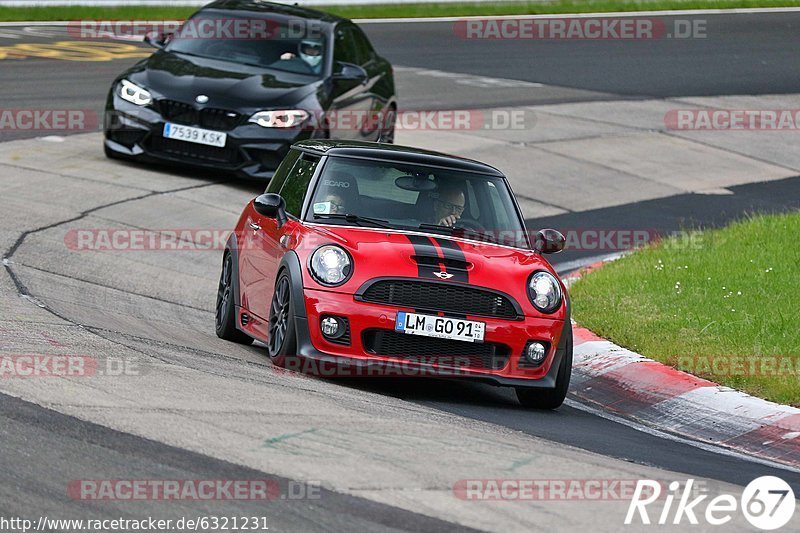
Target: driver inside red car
{"x":449,"y":204}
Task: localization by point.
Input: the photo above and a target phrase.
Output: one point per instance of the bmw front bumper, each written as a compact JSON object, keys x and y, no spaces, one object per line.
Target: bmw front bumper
{"x":136,"y":133}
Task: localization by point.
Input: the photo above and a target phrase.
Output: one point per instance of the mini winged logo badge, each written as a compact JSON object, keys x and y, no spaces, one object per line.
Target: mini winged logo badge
{"x":443,"y":275}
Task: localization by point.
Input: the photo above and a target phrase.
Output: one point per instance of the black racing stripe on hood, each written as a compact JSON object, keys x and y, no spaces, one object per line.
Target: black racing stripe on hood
{"x":424,"y":247}
{"x":452,"y":251}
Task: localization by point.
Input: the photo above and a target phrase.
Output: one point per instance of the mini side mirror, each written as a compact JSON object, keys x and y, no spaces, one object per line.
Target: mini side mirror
{"x":549,"y":241}
{"x":271,"y":205}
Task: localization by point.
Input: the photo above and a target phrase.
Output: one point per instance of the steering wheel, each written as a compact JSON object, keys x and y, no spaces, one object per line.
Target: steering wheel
{"x":471,"y":225}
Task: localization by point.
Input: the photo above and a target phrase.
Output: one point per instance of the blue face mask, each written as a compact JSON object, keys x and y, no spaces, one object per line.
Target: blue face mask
{"x":312,"y":60}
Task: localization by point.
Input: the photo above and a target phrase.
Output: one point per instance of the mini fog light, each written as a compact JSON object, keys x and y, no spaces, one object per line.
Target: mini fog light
{"x":535,"y":352}
{"x":330,"y":327}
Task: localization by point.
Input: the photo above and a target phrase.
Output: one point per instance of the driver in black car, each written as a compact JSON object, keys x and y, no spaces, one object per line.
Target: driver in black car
{"x":310,"y":51}
{"x":449,"y":205}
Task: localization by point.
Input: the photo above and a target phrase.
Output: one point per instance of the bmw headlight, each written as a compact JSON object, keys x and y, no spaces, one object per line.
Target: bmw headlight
{"x":330,"y":265}
{"x":280,"y":119}
{"x":133,"y":93}
{"x":544,"y":292}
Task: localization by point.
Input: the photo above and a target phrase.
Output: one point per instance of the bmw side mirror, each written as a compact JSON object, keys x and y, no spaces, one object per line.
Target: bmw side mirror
{"x":349,"y":72}
{"x":156,"y":39}
{"x":271,"y":205}
{"x":548,"y":241}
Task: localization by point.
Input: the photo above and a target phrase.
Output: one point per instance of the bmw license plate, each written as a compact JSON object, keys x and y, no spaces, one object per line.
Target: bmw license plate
{"x":440,"y":327}
{"x":195,"y":135}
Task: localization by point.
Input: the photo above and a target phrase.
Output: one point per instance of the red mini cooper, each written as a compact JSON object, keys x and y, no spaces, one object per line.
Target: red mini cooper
{"x":377,"y":259}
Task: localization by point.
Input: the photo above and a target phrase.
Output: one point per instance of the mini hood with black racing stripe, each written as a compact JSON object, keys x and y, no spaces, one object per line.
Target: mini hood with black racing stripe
{"x":388,"y":253}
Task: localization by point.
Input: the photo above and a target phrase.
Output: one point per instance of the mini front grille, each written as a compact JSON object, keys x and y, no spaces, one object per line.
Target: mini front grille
{"x":444,"y":297}
{"x":389,"y":343}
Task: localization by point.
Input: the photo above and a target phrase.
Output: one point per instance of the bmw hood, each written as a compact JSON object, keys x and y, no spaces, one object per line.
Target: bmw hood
{"x":231,"y":85}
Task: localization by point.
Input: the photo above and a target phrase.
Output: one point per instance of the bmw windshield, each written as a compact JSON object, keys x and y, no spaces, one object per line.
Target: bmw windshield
{"x":413,"y":197}
{"x":254,"y":41}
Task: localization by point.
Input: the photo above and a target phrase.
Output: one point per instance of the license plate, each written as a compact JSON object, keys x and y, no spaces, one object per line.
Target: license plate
{"x":195,"y":135}
{"x":440,"y":327}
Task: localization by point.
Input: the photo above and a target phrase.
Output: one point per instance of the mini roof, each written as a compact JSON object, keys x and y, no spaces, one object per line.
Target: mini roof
{"x":392,"y":152}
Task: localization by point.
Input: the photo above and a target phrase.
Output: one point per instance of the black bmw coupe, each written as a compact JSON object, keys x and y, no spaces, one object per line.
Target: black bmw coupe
{"x":240,"y":81}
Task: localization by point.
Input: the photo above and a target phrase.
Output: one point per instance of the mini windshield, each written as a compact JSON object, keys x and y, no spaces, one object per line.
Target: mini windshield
{"x":258,"y":42}
{"x":413,"y":197}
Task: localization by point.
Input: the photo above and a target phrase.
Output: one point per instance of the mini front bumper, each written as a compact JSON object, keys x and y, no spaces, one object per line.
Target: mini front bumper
{"x":135,"y":133}
{"x":356,"y":360}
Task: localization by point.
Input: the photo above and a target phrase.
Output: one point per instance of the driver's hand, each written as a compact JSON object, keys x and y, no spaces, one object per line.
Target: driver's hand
{"x":286,"y":56}
{"x":449,"y":221}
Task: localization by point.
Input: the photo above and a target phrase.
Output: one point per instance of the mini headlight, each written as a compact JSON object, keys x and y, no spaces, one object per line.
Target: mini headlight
{"x":330,"y":265}
{"x":280,"y":119}
{"x":133,"y":93}
{"x":544,"y":292}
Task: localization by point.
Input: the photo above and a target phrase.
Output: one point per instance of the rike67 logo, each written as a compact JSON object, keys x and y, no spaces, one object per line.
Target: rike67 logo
{"x":767,"y":503}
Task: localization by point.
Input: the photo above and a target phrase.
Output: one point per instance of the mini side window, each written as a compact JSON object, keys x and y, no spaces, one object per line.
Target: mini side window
{"x":282,"y":172}
{"x":501,"y":213}
{"x":296,"y":185}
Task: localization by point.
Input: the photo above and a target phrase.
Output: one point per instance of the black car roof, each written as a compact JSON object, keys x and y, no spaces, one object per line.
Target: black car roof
{"x":270,"y":7}
{"x":393,"y":152}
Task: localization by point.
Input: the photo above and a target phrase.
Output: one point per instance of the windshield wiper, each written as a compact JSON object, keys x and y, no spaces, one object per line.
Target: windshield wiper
{"x":448,"y":229}
{"x":461,"y":231}
{"x":357,"y":219}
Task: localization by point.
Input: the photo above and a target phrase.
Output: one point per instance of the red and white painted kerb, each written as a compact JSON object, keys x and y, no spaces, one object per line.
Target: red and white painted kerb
{"x":632,"y":386}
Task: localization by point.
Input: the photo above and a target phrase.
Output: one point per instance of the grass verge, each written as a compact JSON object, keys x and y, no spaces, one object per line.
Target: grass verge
{"x":133,"y":12}
{"x":724,"y":305}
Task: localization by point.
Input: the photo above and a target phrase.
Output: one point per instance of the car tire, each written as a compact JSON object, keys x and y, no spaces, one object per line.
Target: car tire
{"x":550,"y":398}
{"x":225,"y":316}
{"x":282,"y":340}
